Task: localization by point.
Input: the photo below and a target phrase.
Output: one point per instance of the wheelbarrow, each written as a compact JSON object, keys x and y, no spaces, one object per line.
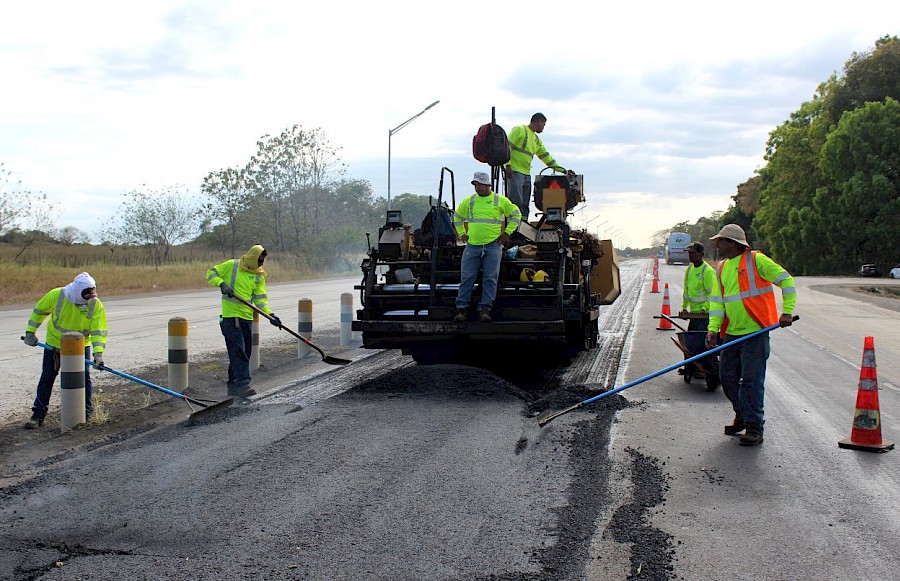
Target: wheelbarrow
{"x":693,"y":343}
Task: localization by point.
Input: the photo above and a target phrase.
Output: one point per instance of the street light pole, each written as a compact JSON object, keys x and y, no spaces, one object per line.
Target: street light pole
{"x":598,"y":225}
{"x":391,"y":133}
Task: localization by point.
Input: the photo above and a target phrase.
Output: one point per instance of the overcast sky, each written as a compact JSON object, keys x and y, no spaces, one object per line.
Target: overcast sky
{"x":664,"y":107}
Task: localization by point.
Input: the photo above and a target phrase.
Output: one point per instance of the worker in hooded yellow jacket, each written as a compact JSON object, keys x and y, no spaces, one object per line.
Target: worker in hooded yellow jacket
{"x":71,"y":308}
{"x":242,"y":277}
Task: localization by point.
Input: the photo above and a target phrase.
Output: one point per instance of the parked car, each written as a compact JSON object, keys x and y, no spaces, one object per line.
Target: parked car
{"x":869,"y":270}
{"x":895,"y":272}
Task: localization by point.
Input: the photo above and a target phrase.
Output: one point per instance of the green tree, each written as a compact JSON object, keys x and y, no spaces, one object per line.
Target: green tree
{"x":798,"y":200}
{"x":861,"y":159}
{"x":291,"y":177}
{"x":790,"y":179}
{"x":228,"y":198}
{"x":413,"y":206}
{"x":868,"y":77}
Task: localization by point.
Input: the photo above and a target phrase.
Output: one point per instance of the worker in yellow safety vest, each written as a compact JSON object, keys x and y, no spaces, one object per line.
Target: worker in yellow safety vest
{"x":479,"y":222}
{"x":742,"y":303}
{"x":244,"y":278}
{"x":71,"y":308}
{"x":524,"y":144}
{"x":699,"y":281}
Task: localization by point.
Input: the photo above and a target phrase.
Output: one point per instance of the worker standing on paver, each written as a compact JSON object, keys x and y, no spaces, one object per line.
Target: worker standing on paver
{"x":524,"y":144}
{"x":479,"y":222}
{"x":742,"y":303}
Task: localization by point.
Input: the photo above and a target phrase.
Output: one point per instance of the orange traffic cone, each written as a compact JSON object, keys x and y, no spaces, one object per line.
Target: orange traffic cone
{"x":866,"y":431}
{"x":664,"y":323}
{"x":655,"y":287}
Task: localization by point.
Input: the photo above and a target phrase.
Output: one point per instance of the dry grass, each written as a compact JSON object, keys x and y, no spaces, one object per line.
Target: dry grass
{"x":24,"y":285}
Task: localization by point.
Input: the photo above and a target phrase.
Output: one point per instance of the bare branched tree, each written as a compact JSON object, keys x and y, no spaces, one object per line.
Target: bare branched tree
{"x":157,"y":220}
{"x":14,"y":202}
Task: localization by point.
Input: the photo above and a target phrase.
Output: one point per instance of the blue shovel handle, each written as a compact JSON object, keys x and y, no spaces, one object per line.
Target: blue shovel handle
{"x":125,"y":375}
{"x":545,"y":417}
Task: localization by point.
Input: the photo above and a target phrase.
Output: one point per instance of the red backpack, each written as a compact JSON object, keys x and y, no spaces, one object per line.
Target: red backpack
{"x":490,"y":145}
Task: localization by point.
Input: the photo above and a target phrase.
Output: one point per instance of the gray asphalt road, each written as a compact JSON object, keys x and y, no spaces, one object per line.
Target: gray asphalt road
{"x":797,"y":507}
{"x":403,"y":473}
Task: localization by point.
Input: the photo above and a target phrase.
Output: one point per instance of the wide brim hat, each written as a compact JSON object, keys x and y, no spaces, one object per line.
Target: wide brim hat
{"x":732,"y":232}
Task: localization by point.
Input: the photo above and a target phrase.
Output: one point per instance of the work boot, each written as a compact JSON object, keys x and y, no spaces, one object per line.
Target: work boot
{"x":484,"y":316}
{"x":34,"y":422}
{"x":246,"y":393}
{"x":736,"y":427}
{"x":753,"y":437}
{"x":460,"y":316}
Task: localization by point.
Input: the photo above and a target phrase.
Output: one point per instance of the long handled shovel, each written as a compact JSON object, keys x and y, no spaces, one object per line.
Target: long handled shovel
{"x":326,"y":358}
{"x":671,"y":320}
{"x":549,"y":415}
{"x":199,"y":407}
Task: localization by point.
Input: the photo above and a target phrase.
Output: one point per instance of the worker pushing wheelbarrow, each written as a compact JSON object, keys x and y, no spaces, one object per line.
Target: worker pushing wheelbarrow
{"x":699,"y":281}
{"x":691,"y":343}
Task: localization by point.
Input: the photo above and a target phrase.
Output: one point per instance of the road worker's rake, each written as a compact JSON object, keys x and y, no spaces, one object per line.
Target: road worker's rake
{"x":199,"y":407}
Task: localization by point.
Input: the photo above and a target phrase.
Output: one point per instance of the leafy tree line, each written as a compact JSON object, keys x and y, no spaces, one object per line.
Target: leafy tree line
{"x":827,"y":198}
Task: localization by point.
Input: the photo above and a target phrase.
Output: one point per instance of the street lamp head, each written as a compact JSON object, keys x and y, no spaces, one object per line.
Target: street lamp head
{"x":391,"y":133}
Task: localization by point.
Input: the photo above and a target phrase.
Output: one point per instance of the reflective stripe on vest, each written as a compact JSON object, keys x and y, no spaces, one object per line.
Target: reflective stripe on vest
{"x":58,"y":312}
{"x":702,"y":297}
{"x":756,"y":294}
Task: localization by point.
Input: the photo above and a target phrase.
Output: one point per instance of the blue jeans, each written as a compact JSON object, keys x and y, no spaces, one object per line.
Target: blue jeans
{"x":49,"y":372}
{"x":238,"y":335}
{"x":519,"y":192}
{"x":487,"y":258}
{"x":742,"y":370}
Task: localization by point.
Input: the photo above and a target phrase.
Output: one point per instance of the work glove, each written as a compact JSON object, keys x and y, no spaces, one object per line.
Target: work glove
{"x":98,"y":359}
{"x":275,"y":320}
{"x":226,"y":290}
{"x":30,"y":339}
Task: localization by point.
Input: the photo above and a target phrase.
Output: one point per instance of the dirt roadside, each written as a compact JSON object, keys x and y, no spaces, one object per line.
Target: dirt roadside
{"x":125,"y":408}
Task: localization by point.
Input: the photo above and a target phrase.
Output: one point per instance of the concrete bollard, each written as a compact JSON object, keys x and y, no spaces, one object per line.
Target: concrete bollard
{"x":304,"y":326}
{"x":71,"y":381}
{"x":178,"y":354}
{"x":346,"y":318}
{"x":254,"y":354}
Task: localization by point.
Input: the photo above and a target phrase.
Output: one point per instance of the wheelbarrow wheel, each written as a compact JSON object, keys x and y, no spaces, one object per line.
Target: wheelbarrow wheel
{"x":712,"y":381}
{"x":687,"y":375}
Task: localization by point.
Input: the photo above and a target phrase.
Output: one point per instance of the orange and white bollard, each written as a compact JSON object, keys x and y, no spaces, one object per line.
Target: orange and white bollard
{"x":71,"y":381}
{"x":178,"y":354}
{"x":346,"y":318}
{"x":304,"y":326}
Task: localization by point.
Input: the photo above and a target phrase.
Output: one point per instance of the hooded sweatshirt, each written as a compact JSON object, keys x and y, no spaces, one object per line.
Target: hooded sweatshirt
{"x":69,"y":311}
{"x":248,"y":280}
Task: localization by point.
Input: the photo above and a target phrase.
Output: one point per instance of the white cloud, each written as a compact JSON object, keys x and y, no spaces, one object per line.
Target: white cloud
{"x":674,"y":101}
